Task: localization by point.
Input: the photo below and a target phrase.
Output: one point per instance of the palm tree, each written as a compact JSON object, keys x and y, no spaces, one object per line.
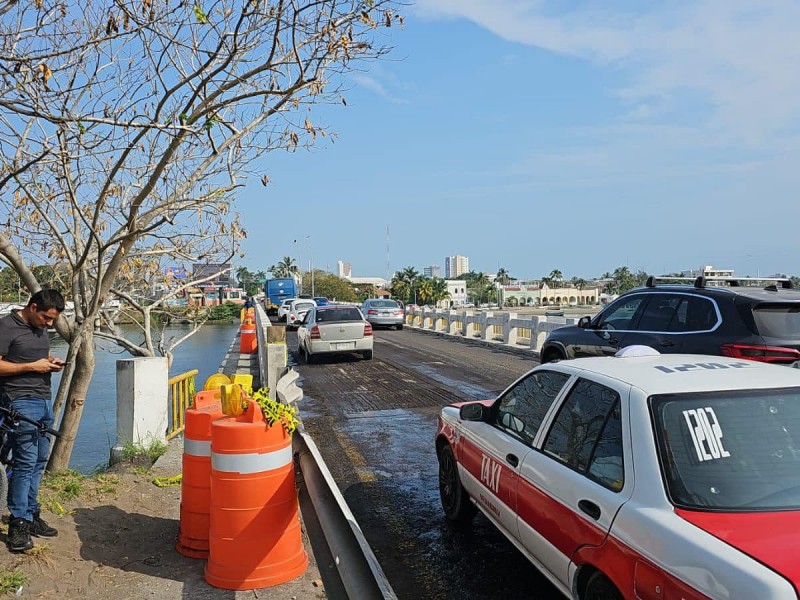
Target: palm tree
{"x":285,"y":268}
{"x":556,"y":276}
{"x":409,"y":275}
{"x":503,"y":277}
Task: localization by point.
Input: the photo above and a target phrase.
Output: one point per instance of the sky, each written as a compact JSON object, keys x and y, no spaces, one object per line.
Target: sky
{"x":537,"y":135}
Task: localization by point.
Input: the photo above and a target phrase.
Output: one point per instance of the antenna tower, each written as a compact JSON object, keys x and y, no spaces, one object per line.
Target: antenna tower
{"x":388,"y":268}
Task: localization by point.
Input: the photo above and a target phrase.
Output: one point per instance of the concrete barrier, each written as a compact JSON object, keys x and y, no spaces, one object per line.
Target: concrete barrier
{"x":508,"y":329}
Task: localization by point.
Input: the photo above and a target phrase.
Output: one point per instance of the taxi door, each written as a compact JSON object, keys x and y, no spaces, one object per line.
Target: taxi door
{"x":492,"y":450}
{"x":571,"y":489}
{"x":489,"y":460}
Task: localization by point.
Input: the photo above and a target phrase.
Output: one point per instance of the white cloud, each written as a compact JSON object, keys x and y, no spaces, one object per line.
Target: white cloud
{"x":732,"y":61}
{"x":373,"y":85}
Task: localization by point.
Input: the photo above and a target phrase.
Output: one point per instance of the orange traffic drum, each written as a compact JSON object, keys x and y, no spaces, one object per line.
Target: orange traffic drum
{"x":196,"y":481}
{"x":254,"y":538}
{"x":248,"y":341}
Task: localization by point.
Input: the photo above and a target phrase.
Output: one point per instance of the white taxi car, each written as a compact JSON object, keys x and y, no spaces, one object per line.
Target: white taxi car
{"x":646,"y":476}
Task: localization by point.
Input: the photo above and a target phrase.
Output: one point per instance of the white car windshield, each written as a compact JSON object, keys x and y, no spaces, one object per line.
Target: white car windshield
{"x":737,"y":451}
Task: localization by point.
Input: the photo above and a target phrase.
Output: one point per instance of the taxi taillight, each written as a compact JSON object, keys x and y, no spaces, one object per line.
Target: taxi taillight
{"x":768,"y":354}
{"x":367,"y":330}
{"x":314,"y":333}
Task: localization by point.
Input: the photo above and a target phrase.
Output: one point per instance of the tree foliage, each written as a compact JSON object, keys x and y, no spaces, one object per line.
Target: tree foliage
{"x":623,"y":280}
{"x":126,"y":129}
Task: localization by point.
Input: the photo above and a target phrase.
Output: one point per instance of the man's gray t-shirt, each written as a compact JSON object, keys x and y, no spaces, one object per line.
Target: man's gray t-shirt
{"x":22,"y":343}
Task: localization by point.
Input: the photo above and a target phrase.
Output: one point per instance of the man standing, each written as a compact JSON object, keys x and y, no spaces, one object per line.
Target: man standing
{"x":25,"y":367}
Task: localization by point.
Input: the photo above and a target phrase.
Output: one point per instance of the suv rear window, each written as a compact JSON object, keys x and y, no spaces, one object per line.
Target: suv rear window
{"x":777,"y":320}
{"x":733,"y":450}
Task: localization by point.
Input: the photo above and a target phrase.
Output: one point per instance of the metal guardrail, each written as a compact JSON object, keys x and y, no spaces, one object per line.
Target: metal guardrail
{"x":181,"y":393}
{"x":361,"y":575}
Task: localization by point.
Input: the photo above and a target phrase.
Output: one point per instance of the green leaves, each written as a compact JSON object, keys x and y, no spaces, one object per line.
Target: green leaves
{"x":200,"y":15}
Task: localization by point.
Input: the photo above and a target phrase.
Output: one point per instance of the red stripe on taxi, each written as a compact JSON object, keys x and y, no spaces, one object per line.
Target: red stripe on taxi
{"x":769,"y":537}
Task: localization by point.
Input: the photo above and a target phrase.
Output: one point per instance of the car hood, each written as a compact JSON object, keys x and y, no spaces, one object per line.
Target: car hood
{"x":772,"y":538}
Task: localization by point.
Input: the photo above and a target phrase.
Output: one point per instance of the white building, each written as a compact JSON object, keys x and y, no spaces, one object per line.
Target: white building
{"x":457,"y":288}
{"x":344,"y":269}
{"x":708,"y":271}
{"x":432,"y":271}
{"x":455,"y":265}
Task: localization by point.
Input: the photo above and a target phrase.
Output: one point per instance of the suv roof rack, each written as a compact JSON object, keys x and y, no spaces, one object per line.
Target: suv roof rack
{"x":702,"y":281}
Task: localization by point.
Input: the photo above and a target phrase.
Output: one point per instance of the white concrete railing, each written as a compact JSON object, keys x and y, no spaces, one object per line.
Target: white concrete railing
{"x":509,"y":329}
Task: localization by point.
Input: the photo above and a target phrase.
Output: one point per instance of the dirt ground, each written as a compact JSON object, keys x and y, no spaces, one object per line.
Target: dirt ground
{"x":117,"y":540}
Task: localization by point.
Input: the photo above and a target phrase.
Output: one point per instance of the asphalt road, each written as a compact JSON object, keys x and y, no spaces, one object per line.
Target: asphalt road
{"x":375,"y":422}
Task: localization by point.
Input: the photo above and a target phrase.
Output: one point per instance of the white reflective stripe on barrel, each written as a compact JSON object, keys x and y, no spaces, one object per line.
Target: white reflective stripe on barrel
{"x":251,"y":463}
{"x":196,"y":447}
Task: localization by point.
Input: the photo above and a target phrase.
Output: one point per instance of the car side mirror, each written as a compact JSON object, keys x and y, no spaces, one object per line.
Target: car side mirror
{"x":584,"y":322}
{"x":472,"y":412}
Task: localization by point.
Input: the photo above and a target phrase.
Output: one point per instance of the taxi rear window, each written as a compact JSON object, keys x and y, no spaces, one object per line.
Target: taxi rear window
{"x":736,"y":451}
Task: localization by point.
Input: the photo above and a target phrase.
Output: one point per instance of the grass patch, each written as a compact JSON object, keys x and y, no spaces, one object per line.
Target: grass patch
{"x":137,"y":452}
{"x":65,"y":485}
{"x":141,"y":470}
{"x":11,"y":581}
{"x":106,"y":484}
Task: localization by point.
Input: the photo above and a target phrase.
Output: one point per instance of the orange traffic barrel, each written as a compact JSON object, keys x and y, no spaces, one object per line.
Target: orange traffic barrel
{"x":255,"y":539}
{"x":196,"y":481}
{"x":248,"y":343}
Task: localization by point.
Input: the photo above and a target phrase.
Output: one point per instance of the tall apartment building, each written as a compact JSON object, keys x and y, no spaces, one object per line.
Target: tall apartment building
{"x":344,"y":268}
{"x":455,"y":265}
{"x":432,"y":271}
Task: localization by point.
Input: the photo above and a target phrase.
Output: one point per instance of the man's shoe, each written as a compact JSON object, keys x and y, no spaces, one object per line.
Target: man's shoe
{"x":19,"y":535}
{"x":40,"y":528}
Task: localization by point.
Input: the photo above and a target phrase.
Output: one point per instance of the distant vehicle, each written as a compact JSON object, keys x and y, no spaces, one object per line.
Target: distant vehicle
{"x":276,"y":291}
{"x":321,"y":301}
{"x":386,"y":313}
{"x":334,"y":329}
{"x":283,"y":309}
{"x":297,"y":311}
{"x":722,"y":316}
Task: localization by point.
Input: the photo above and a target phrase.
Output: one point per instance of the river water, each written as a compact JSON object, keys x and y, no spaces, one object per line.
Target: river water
{"x":98,"y":430}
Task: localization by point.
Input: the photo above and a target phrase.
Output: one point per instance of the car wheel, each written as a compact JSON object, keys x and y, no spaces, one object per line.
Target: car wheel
{"x":399,"y":327}
{"x":552,"y":354}
{"x":367,"y":354}
{"x":455,"y":501}
{"x":309,"y":357}
{"x":600,"y":588}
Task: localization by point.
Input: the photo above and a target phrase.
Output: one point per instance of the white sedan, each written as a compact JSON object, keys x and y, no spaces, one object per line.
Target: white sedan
{"x":334,"y":329}
{"x":647,"y":476}
{"x":298,"y":308}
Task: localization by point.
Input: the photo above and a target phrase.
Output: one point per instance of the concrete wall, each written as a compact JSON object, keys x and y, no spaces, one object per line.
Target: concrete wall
{"x":142,"y":400}
{"x":528,"y":332}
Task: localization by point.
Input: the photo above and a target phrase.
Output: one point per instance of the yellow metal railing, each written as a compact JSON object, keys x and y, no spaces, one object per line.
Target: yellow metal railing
{"x":524,"y":333}
{"x":181,"y":392}
{"x":497,"y":332}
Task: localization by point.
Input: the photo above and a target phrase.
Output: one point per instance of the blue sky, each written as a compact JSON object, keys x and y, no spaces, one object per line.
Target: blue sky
{"x":541,"y":135}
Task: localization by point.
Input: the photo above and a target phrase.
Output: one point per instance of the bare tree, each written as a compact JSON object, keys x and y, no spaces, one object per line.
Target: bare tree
{"x":128,"y":127}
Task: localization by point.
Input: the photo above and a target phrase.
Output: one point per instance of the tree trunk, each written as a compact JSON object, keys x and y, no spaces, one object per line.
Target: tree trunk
{"x":76,"y":399}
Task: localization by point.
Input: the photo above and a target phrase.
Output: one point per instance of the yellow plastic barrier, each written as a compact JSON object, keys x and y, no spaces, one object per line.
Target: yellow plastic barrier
{"x":232,"y":399}
{"x":245,"y":380}
{"x":216,"y":381}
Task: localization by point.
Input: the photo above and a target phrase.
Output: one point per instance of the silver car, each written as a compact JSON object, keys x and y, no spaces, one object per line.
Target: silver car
{"x":386,"y":313}
{"x":334,"y":329}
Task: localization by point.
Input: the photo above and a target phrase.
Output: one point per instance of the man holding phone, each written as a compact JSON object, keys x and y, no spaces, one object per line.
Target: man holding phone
{"x":25,"y":368}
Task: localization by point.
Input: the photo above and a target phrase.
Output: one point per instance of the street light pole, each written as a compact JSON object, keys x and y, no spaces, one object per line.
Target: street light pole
{"x":305,"y":241}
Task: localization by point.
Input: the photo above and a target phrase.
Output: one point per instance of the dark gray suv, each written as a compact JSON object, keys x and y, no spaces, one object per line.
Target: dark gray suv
{"x":717,"y":316}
